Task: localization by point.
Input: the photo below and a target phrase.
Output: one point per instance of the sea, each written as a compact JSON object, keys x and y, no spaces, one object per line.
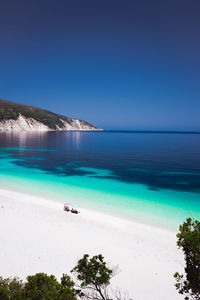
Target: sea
{"x":147,"y":177}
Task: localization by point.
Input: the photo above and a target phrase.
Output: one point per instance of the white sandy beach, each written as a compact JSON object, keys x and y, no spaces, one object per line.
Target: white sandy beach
{"x":36,"y":235}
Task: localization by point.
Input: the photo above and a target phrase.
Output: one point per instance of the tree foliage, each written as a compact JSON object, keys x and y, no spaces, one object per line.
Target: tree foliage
{"x":188,"y":239}
{"x":92,"y":273}
{"x":38,"y":287}
{"x":94,"y":277}
{"x":10,"y":288}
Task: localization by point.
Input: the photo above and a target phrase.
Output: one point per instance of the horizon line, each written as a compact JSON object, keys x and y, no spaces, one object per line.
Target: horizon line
{"x":153,"y":131}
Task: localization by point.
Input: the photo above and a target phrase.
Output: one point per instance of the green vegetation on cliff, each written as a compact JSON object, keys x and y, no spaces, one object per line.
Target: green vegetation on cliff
{"x":11,"y":110}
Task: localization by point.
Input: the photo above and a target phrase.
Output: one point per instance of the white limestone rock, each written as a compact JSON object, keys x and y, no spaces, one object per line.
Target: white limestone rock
{"x":29,"y":124}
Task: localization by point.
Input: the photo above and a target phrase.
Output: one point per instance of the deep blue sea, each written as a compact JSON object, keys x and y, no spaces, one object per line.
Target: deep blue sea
{"x":147,"y":177}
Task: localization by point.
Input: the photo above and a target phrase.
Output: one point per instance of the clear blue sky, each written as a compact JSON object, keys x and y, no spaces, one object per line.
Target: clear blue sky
{"x":117,"y":64}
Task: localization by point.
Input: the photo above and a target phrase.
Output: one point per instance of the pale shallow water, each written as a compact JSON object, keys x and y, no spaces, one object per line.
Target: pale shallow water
{"x":152,"y":178}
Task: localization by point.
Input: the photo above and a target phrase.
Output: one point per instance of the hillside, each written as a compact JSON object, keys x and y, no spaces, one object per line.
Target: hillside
{"x":17,"y":116}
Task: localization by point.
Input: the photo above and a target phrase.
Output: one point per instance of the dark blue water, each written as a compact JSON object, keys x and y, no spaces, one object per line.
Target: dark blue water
{"x":158,"y":160}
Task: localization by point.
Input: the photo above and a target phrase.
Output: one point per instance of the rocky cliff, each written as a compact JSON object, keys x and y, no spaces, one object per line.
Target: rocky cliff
{"x":21,"y":117}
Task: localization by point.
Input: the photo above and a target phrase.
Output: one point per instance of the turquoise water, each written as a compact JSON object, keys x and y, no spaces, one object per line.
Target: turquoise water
{"x":134,"y":185}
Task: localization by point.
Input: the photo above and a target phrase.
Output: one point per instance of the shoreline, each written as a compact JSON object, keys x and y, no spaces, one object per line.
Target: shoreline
{"x":147,"y":208}
{"x":38,"y":236}
{"x":92,"y":214}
